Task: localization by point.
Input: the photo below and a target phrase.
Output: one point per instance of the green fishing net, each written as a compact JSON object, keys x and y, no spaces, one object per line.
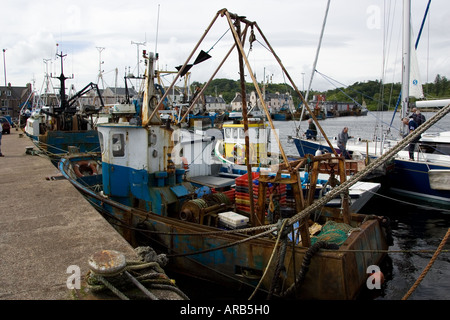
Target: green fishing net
{"x":333,"y":232}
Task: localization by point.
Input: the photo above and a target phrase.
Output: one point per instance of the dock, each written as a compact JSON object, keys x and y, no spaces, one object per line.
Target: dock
{"x":46,"y":226}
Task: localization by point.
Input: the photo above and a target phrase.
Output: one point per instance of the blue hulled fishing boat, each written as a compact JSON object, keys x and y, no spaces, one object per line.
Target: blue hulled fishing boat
{"x":55,"y":128}
{"x":143,"y":182}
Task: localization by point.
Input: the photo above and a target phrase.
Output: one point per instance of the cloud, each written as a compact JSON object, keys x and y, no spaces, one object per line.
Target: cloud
{"x":352,"y":48}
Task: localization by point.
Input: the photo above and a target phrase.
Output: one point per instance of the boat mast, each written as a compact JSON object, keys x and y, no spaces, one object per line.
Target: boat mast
{"x":406,"y":58}
{"x":317,"y":56}
{"x":245,"y":118}
{"x":64,"y":103}
{"x":148,"y":111}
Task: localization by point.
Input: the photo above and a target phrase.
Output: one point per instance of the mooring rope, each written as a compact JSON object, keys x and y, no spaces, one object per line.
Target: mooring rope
{"x":40,"y":145}
{"x":270,"y":260}
{"x":428,"y":267}
{"x":154,"y":278}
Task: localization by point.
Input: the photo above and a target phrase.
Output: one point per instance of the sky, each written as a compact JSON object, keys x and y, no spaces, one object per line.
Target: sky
{"x":361,"y":42}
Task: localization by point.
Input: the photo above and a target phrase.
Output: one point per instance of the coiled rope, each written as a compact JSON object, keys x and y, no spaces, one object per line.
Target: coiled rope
{"x":147,"y":271}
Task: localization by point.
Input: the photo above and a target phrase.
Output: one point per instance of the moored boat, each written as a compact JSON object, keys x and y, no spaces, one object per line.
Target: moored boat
{"x":421,"y":174}
{"x":142,"y":185}
{"x":56,"y":128}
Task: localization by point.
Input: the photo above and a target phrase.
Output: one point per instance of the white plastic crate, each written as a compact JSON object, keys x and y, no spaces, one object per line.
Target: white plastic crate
{"x":233,"y":219}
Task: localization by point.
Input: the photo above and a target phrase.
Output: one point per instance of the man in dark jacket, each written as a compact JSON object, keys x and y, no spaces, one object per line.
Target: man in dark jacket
{"x":418,"y":117}
{"x":342,"y":142}
{"x":311,"y":133}
{"x":412,"y":125}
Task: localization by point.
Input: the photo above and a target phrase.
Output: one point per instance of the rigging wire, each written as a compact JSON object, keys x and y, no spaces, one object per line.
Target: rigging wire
{"x":409,"y":203}
{"x":223,"y":35}
{"x":342,"y":91}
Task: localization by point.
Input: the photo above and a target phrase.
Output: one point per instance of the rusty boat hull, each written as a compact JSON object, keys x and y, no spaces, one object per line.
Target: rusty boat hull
{"x":235,"y":258}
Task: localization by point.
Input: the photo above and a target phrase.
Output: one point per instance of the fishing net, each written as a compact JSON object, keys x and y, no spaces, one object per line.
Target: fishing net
{"x":333,"y":232}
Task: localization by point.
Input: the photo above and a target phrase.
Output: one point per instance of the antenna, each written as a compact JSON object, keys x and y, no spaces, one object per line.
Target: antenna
{"x":4,"y":66}
{"x":100,"y":62}
{"x":137,"y":50}
{"x":47,"y":77}
{"x":137,"y":47}
{"x":157,"y":32}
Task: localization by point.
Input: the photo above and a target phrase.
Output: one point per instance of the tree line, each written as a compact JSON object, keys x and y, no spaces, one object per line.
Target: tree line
{"x":376,"y":95}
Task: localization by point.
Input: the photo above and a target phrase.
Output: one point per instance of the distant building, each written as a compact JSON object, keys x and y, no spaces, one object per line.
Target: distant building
{"x":215,"y":104}
{"x":236,"y":103}
{"x":13,"y":98}
{"x":274,"y":101}
{"x":117,"y":95}
{"x":109,"y":96}
{"x":180,"y":95}
{"x":277,"y":102}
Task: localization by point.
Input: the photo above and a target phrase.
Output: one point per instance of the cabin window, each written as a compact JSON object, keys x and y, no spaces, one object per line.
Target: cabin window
{"x":235,"y":134}
{"x":253,"y":135}
{"x":100,"y":139}
{"x":118,"y":143}
{"x":444,"y":149}
{"x":227,"y":133}
{"x":241,"y":133}
{"x":152,"y":139}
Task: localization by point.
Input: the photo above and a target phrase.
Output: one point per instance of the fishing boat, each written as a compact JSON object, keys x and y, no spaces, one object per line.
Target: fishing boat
{"x":282,"y":115}
{"x":56,"y":128}
{"x":140,"y":183}
{"x":417,"y":179}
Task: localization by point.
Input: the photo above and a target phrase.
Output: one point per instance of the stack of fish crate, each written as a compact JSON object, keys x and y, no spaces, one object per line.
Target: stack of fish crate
{"x":242,"y":195}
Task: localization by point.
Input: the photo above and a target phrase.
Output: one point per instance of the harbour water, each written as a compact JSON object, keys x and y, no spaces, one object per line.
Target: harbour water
{"x":417,"y":230}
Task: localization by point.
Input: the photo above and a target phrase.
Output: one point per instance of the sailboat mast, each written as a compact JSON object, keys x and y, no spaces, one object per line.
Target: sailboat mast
{"x":318,"y":50}
{"x":406,"y":58}
{"x":317,"y":56}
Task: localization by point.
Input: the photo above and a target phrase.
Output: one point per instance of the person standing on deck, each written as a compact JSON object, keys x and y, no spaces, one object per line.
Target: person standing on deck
{"x":311,"y":133}
{"x":418,"y":117}
{"x":342,"y":142}
{"x":412,"y":125}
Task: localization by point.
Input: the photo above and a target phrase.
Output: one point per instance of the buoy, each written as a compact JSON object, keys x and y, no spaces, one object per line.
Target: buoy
{"x":81,"y":167}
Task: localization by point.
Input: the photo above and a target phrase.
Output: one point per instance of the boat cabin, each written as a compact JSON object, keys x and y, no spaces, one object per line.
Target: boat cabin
{"x":143,"y":172}
{"x":234,"y":142}
{"x":435,"y":143}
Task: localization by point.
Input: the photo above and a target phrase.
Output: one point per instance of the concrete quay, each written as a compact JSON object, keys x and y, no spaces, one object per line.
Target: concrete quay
{"x":45,"y":227}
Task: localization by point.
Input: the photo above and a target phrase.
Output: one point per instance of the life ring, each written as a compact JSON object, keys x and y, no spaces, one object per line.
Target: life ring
{"x":81,"y":167}
{"x":185,"y":163}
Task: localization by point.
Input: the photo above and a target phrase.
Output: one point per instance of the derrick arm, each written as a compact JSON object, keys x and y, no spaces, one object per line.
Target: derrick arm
{"x":89,"y":87}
